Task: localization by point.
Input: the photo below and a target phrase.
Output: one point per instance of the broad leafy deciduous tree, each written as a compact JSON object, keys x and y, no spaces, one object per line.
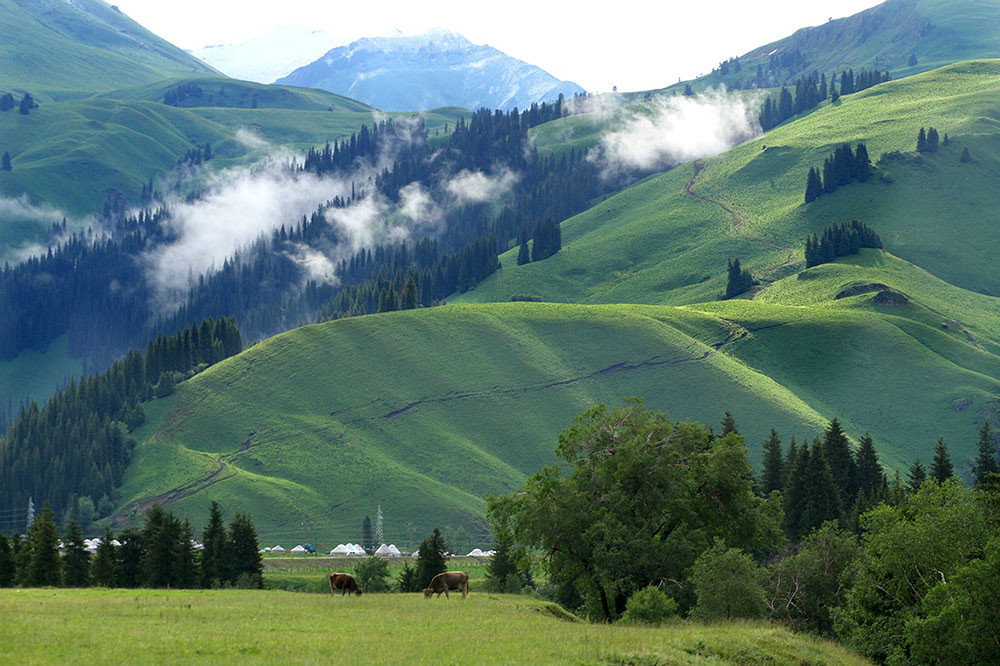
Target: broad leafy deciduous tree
{"x":636,"y":498}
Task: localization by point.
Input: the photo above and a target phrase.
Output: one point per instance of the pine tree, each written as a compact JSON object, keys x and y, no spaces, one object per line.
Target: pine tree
{"x":431,"y":559}
{"x":814,"y":186}
{"x":21,"y":550}
{"x":523,"y":256}
{"x":773,"y":473}
{"x":366,"y":533}
{"x":922,"y":141}
{"x":916,"y":474}
{"x":728,"y":424}
{"x":738,"y":279}
{"x":103,"y":568}
{"x":862,"y":164}
{"x":244,"y":556}
{"x":870,"y":477}
{"x":76,"y":560}
{"x":5,"y":162}
{"x":966,"y":157}
{"x":941,"y":467}
{"x":838,"y":454}
{"x":213,"y":555}
{"x":410,"y":297}
{"x":130,"y":556}
{"x":185,"y":563}
{"x":27,"y":104}
{"x":44,"y":565}
{"x":6,"y":562}
{"x":986,"y":460}
{"x":160,"y":533}
{"x":932,"y":140}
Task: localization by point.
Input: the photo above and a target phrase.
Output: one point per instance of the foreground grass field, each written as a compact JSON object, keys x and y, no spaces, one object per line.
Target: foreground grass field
{"x":156,"y":626}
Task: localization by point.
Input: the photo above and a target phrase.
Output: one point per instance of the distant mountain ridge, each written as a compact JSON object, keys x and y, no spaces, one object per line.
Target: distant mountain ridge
{"x":437,"y":68}
{"x":903,"y":37}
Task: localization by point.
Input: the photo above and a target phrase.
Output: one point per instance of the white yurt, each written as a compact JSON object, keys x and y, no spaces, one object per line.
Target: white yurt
{"x":277,"y":549}
{"x":298,"y":550}
{"x":476,"y":552}
{"x":355,"y":549}
{"x":388,"y":551}
{"x":341,"y":549}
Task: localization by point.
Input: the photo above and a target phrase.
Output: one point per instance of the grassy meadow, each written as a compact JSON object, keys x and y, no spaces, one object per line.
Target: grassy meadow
{"x":469,"y":400}
{"x":158,"y":626}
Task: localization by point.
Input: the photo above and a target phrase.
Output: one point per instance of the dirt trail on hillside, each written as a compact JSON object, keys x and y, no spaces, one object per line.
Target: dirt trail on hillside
{"x":736,"y":228}
{"x":141,"y":507}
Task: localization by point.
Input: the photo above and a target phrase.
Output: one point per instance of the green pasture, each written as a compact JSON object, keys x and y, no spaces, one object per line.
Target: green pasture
{"x":223,"y":626}
{"x":425,"y":412}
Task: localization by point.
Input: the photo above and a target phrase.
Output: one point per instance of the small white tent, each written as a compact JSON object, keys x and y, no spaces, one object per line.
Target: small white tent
{"x":355,"y":549}
{"x":476,"y":552}
{"x":277,"y":549}
{"x":299,"y":549}
{"x":341,"y":549}
{"x":388,"y":551}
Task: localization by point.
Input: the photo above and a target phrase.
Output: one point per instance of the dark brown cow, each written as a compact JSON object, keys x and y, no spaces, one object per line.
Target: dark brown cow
{"x":449,"y":580}
{"x":345,"y":583}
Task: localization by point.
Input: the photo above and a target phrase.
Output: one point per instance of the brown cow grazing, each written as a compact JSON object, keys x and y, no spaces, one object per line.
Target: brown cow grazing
{"x":449,"y":580}
{"x":345,"y":583}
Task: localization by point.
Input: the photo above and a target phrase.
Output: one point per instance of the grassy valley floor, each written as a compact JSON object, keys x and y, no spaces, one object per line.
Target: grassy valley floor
{"x":160,"y":626}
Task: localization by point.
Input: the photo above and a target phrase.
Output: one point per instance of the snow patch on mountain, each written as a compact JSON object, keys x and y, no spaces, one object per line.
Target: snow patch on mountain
{"x":433,"y":69}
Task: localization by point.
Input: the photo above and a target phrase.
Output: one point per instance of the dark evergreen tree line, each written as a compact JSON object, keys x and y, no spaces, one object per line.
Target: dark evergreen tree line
{"x":176,"y":95}
{"x":810,"y":91}
{"x":840,"y":168}
{"x":74,"y":449}
{"x":840,"y":241}
{"x":162,"y":554}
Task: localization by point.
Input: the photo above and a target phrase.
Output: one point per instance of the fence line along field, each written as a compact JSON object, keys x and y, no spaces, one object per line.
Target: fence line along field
{"x":223,"y":626}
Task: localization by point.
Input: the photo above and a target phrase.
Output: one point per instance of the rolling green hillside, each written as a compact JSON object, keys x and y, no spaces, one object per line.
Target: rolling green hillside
{"x":936,"y":32}
{"x":424,"y":412}
{"x":56,"y":49}
{"x":222,"y":92}
{"x":666,"y":239}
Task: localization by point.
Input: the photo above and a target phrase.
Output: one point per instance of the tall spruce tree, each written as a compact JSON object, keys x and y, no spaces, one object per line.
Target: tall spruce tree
{"x":916,"y":474}
{"x":76,"y":560}
{"x":870,"y":476}
{"x":185,"y":561}
{"x":44,"y":565}
{"x":244,"y":552}
{"x":366,"y":533}
{"x":728,"y":424}
{"x":104,"y":568}
{"x":773,"y":473}
{"x":838,"y":454}
{"x":131,"y":554}
{"x":814,"y":186}
{"x":941,"y":467}
{"x":5,"y":162}
{"x":431,"y":558}
{"x":213,"y":555}
{"x":160,"y":533}
{"x":986,"y":459}
{"x":922,"y":141}
{"x":932,"y":140}
{"x":410,"y":297}
{"x":523,"y":255}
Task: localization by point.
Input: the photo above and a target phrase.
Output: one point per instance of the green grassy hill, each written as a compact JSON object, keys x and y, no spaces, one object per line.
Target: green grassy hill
{"x":223,"y":92}
{"x":936,"y":32}
{"x":424,"y":412}
{"x":56,"y":49}
{"x":666,"y":239}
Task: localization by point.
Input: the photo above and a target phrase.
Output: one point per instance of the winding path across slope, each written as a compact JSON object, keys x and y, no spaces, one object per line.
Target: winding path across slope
{"x":736,"y":227}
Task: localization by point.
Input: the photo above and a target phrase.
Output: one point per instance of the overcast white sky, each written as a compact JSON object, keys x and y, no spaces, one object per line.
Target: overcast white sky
{"x":633,"y":44}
